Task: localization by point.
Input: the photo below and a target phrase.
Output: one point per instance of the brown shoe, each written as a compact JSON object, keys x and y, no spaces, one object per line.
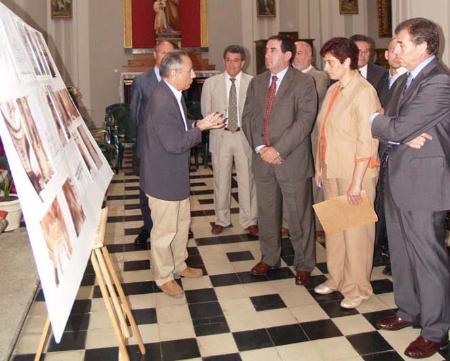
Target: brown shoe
{"x":216,"y":229}
{"x":253,"y":230}
{"x":302,"y":278}
{"x":422,"y":347}
{"x":172,"y":288}
{"x":392,"y":323}
{"x":190,"y":272}
{"x":260,"y":269}
{"x":284,"y":232}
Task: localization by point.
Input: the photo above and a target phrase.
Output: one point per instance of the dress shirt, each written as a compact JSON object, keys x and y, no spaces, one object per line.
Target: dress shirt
{"x":178,"y":95}
{"x":237,"y":83}
{"x":363,"y":71}
{"x":307,"y":69}
{"x":158,"y":75}
{"x":393,"y":78}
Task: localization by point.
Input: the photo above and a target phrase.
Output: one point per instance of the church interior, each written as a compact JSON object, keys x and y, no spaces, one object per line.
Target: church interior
{"x":228,"y":314}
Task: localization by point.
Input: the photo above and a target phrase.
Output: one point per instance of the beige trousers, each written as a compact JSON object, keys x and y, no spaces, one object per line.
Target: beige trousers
{"x":350,"y":253}
{"x":169,"y":237}
{"x":233,"y":146}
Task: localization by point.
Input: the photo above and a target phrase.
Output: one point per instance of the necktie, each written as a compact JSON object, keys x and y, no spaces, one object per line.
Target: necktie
{"x":232,"y":107}
{"x":268,"y":109}
{"x":409,"y":79}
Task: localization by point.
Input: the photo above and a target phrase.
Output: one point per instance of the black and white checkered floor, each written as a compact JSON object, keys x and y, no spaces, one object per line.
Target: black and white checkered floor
{"x":226,"y":315}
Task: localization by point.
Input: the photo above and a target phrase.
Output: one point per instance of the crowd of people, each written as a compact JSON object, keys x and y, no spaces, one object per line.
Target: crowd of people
{"x":298,"y":135}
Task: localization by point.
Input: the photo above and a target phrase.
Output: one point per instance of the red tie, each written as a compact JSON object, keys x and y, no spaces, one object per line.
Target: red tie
{"x":268,"y":109}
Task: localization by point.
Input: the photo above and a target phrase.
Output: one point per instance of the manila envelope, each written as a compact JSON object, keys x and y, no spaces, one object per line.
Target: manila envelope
{"x":337,"y":215}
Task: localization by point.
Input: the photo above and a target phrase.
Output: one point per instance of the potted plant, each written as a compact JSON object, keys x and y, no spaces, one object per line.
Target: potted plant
{"x":9,"y":202}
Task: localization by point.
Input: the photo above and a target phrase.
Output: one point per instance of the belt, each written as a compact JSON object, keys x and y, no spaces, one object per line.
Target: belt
{"x":228,"y":130}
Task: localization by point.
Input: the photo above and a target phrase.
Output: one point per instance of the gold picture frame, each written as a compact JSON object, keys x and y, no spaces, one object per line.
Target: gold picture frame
{"x":61,"y":9}
{"x":265,"y":8}
{"x":348,"y":7}
{"x":385,"y":18}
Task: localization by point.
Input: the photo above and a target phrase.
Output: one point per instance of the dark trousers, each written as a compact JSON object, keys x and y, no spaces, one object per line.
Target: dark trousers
{"x":381,"y":240}
{"x":270,"y":191}
{"x":143,"y":200}
{"x":420,"y":267}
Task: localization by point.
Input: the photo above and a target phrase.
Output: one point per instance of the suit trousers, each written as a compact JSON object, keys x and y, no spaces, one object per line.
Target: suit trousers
{"x":169,"y":237}
{"x":271,"y":189}
{"x":420,"y":267}
{"x":232,"y":146}
{"x":145,"y":210}
{"x":350,"y":253}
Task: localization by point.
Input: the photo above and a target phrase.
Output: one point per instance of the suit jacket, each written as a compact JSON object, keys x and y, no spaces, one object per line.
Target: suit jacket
{"x":347,"y":130}
{"x":290,"y":123}
{"x":143,"y":86}
{"x":322,"y":82}
{"x":214,"y":99}
{"x":419,"y":178}
{"x":384,"y":92}
{"x":374,"y":74}
{"x":166,"y":147}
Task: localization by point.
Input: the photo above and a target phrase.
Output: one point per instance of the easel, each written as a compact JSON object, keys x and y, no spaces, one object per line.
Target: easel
{"x":112,"y":292}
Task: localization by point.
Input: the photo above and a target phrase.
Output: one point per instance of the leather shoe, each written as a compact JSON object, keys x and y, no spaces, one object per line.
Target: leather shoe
{"x":261,"y":268}
{"x":422,"y":347}
{"x":392,"y":323}
{"x":172,"y":289}
{"x":190,"y":272}
{"x":253,"y":230}
{"x":302,"y":278}
{"x":142,"y":237}
{"x":216,"y":229}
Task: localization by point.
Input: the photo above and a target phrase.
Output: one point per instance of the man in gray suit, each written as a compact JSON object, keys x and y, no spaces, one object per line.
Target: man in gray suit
{"x":279,"y":113}
{"x":370,"y":71}
{"x":143,"y":87}
{"x":168,"y":138}
{"x":225,"y":93}
{"x":303,"y":60}
{"x":417,"y":194}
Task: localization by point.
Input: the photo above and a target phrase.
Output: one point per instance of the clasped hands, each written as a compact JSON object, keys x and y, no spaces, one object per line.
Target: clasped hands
{"x":270,"y":155}
{"x":211,"y":121}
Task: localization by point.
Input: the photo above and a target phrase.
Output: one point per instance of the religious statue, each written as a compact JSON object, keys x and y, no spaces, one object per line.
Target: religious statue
{"x":166,"y":16}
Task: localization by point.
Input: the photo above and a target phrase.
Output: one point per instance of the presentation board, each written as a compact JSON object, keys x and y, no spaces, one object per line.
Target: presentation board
{"x":59,"y":171}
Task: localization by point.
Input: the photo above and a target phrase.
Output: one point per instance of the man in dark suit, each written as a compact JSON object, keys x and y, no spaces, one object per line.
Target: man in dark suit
{"x":417,"y":193}
{"x":168,"y":138}
{"x":370,"y":71}
{"x":278,"y":116}
{"x":143,"y":86}
{"x":386,"y":88}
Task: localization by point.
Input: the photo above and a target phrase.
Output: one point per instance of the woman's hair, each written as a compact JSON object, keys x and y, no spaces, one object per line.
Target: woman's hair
{"x":341,"y":49}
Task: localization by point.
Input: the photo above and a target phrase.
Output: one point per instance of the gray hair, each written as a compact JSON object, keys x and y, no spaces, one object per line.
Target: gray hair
{"x":172,"y":61}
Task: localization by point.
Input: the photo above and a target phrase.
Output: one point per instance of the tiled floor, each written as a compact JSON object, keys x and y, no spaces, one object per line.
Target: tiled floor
{"x":226,"y":315}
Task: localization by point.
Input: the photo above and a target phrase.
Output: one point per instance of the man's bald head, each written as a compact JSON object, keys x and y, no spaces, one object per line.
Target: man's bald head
{"x":162,"y":48}
{"x":303,"y":55}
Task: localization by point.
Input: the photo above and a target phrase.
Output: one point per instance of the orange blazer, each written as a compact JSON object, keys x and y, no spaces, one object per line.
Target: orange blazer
{"x":344,"y":136}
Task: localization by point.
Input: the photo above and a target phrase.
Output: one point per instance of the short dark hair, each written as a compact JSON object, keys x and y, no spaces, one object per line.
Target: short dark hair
{"x":421,"y":30}
{"x":171,"y":61}
{"x":341,"y":48}
{"x":234,"y":49}
{"x":287,"y":44}
{"x":365,"y":38}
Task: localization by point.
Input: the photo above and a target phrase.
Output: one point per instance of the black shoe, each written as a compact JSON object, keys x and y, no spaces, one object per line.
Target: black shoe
{"x":142,"y":238}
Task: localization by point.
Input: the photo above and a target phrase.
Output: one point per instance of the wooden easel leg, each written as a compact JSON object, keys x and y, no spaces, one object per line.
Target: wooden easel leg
{"x":123,"y":300}
{"x":112,"y":315}
{"x":112,"y":292}
{"x":43,"y":340}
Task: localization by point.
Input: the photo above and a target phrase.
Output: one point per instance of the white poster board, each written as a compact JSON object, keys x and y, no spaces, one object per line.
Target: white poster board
{"x":59,"y":171}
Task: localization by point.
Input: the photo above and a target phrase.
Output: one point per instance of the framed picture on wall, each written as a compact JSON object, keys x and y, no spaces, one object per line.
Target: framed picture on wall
{"x":61,"y":9}
{"x":384,"y":18}
{"x":265,"y":8}
{"x":348,"y":7}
